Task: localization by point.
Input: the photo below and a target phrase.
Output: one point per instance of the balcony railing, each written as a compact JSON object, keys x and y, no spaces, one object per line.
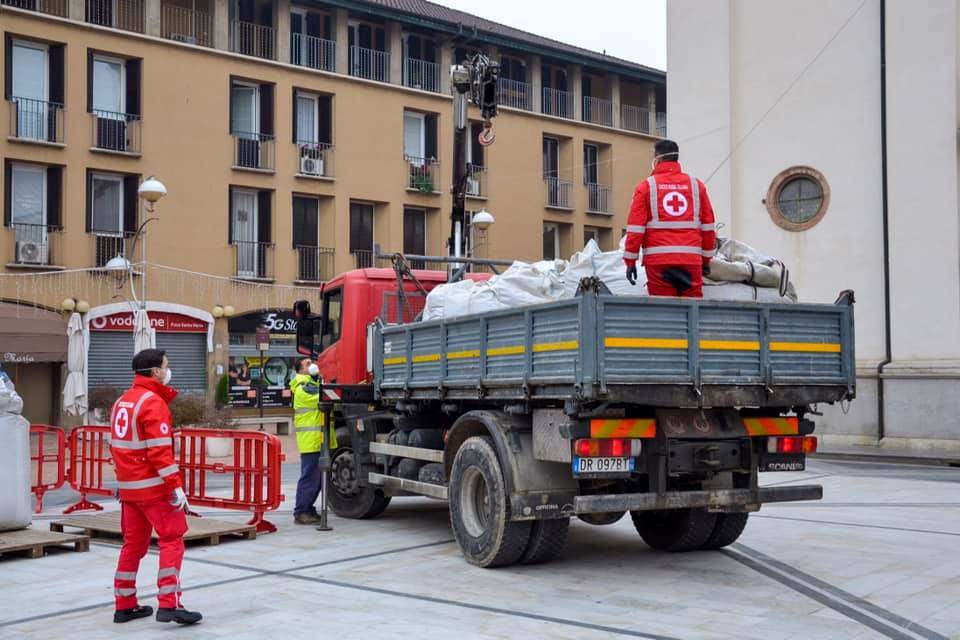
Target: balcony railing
{"x":421,"y":74}
{"x":36,"y":120}
{"x":597,"y":111}
{"x":34,"y":244}
{"x":387,"y":263}
{"x":363,"y":259}
{"x":314,"y":264}
{"x":252,"y":39}
{"x":558,"y":193}
{"x":515,"y":94}
{"x":476,"y":181}
{"x":118,"y":132}
{"x":186,"y":25}
{"x":254,"y":260}
{"x":662,"y":124}
{"x":557,"y":103}
{"x":634,"y":118}
{"x":315,"y":159}
{"x":423,"y":174}
{"x":253,"y":151}
{"x":119,"y":14}
{"x":598,"y":198}
{"x":109,"y":245}
{"x":370,"y":64}
{"x":315,"y":53}
{"x":51,"y":7}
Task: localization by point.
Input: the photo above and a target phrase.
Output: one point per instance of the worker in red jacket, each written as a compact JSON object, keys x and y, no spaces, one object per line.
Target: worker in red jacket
{"x":151,"y":491}
{"x":671,"y":221}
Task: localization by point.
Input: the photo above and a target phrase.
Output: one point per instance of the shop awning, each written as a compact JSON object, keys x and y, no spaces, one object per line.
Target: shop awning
{"x":28,"y":334}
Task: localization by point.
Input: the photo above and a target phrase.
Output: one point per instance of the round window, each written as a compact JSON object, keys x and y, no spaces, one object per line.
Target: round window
{"x":798,"y":198}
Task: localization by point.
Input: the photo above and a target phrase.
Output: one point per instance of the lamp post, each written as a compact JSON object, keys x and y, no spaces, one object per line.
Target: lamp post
{"x":480,"y":221}
{"x":151,"y":191}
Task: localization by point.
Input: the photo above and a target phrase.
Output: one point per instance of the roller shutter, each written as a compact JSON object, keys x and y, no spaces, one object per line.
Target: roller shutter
{"x":108,"y":363}
{"x":111,"y":353}
{"x":187,"y":353}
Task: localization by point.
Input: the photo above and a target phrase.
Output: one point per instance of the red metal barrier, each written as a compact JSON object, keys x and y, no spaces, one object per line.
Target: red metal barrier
{"x":253,"y":466}
{"x":43,"y":434}
{"x":89,"y":454}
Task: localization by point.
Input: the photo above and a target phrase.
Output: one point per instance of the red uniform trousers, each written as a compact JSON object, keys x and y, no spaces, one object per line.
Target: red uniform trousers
{"x":657,"y":286}
{"x":137,"y":521}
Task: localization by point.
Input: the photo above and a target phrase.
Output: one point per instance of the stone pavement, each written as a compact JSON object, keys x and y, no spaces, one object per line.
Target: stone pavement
{"x":877,"y":558}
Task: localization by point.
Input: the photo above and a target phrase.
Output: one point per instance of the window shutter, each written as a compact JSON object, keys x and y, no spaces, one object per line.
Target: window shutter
{"x":266,"y":14}
{"x":293,"y":119}
{"x":327,"y":28}
{"x":381,"y":39}
{"x":562,"y":80}
{"x":263,"y":217}
{"x":430,"y":136}
{"x":305,"y":221}
{"x":54,"y":200}
{"x":56,"y":73}
{"x":88,"y":225}
{"x":476,"y":148}
{"x":230,"y":107}
{"x":313,"y":25}
{"x":8,"y":67}
{"x":230,"y":216}
{"x":266,"y":109}
{"x":246,"y":11}
{"x":130,"y":202}
{"x":325,"y":116}
{"x":89,"y":81}
{"x":587,"y":85}
{"x":7,"y":192}
{"x":133,"y":68}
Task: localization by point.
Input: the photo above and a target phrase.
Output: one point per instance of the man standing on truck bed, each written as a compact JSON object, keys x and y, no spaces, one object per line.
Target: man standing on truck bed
{"x":671,"y":220}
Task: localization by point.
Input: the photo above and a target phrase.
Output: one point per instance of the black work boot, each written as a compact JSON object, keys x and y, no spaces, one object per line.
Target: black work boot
{"x":126,"y":615}
{"x":180,"y":616}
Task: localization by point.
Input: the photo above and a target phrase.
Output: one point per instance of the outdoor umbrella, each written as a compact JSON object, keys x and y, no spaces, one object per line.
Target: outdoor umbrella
{"x":75,"y":389}
{"x":144,"y":336}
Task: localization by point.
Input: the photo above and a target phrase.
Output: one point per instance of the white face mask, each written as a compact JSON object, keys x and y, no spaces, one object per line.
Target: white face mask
{"x":653,"y":163}
{"x":313,"y":370}
{"x":167,"y":376}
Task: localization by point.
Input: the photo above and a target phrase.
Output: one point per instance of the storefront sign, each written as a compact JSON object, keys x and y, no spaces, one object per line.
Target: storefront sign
{"x":277,"y":322}
{"x":162,"y":321}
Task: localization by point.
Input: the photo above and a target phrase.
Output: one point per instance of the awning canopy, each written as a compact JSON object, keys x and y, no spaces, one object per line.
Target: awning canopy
{"x":28,"y":334}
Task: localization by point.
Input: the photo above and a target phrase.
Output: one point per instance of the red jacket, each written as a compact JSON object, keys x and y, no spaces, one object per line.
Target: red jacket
{"x":676,"y":226}
{"x":141,"y":441}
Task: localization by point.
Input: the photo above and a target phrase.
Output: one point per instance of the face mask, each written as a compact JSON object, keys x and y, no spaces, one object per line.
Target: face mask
{"x":313,"y":370}
{"x":653,"y":163}
{"x":167,"y":376}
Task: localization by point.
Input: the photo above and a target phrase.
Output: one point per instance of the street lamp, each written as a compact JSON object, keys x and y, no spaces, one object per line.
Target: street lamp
{"x":151,"y":191}
{"x":480,"y":221}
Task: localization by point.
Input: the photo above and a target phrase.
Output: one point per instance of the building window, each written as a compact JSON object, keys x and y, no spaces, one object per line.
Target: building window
{"x":251,"y":124}
{"x":314,"y":263}
{"x":250,"y":232}
{"x":798,"y":198}
{"x":111,"y":213}
{"x":32,"y":209}
{"x":420,"y":151}
{"x":34,"y":86}
{"x":312,"y":133}
{"x":361,"y":233}
{"x":113,"y":98}
{"x":551,"y":241}
{"x":415,"y":234}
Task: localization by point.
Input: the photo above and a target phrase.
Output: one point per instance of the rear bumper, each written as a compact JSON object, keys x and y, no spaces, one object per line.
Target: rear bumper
{"x":716,"y":500}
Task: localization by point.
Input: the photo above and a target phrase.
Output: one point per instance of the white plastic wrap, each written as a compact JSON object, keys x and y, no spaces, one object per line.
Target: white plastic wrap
{"x":15,"y":507}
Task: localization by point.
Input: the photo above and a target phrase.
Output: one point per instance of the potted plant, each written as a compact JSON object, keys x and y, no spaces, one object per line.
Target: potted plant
{"x":193,"y":411}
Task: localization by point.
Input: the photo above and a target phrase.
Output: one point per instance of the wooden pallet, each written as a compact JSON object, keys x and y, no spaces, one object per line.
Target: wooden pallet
{"x":33,"y":542}
{"x":206,"y":530}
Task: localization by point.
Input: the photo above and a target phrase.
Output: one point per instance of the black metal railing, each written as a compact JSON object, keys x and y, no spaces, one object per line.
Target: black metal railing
{"x":253,"y":260}
{"x":558,"y":193}
{"x":598,"y":198}
{"x":253,"y":39}
{"x":109,"y":245}
{"x":476,"y":181}
{"x":423,"y":174}
{"x":36,"y":120}
{"x":316,"y":53}
{"x":253,"y":150}
{"x":315,"y":159}
{"x":186,"y":25}
{"x":116,"y":131}
{"x":34,"y":244}
{"x":314,"y":264}
{"x":51,"y":7}
{"x":119,"y":14}
{"x":363,"y":258}
{"x":370,"y":64}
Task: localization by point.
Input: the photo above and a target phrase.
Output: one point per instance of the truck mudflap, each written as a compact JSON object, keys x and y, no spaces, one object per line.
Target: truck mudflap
{"x":723,"y":500}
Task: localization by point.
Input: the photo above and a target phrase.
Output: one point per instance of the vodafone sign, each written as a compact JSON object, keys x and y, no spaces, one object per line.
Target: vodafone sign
{"x":162,"y":321}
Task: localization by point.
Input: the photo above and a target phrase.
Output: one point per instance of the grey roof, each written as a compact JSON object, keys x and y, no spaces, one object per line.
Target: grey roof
{"x":433,"y":11}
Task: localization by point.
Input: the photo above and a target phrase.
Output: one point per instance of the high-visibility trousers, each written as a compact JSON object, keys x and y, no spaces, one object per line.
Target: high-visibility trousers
{"x":657,"y":286}
{"x":137,"y":521}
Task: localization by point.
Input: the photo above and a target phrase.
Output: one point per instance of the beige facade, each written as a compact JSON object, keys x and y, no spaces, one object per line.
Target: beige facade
{"x":181,"y":110}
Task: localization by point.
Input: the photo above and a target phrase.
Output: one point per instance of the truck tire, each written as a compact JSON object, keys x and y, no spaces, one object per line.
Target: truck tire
{"x":547,"y":538}
{"x":674,"y":529}
{"x":601,"y":519}
{"x":479,"y":510}
{"x":347,"y":498}
{"x":728,"y":528}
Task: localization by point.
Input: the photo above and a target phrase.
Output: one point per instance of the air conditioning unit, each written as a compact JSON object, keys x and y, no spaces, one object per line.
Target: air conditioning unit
{"x":182,"y":37}
{"x":32,"y":252}
{"x":473,"y":187}
{"x":311,"y":166}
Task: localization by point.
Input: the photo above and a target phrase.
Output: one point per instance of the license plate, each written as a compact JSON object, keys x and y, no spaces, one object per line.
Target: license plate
{"x":603,"y":465}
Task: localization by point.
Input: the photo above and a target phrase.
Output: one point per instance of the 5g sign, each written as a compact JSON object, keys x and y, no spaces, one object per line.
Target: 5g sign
{"x":277,"y":324}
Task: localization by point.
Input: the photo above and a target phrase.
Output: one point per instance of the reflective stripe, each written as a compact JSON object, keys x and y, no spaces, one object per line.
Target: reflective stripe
{"x":167,"y":572}
{"x":636,"y":228}
{"x":172,"y":588}
{"x":708,"y":253}
{"x":128,"y":444}
{"x":654,"y":215}
{"x":696,"y":199}
{"x":136,"y":411}
{"x":652,"y":251}
{"x":158,"y":442}
{"x":307,"y":429}
{"x":125,"y":591}
{"x":125,"y":575}
{"x":169,"y":471}
{"x":708,"y":227}
{"x":629,"y":255}
{"x":312,"y":389}
{"x":304,"y":410}
{"x":670,"y":224}
{"x":141,"y":484}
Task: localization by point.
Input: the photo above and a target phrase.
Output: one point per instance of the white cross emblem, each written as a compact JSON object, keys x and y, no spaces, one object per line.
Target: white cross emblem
{"x":121,"y":423}
{"x":674,"y":203}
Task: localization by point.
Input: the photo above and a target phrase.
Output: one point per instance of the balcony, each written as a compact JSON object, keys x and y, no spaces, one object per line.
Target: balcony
{"x":314,"y":264}
{"x":476,"y":181}
{"x":370,"y":64}
{"x":421,"y":74}
{"x":316,"y":53}
{"x":515,"y":94}
{"x":254,"y":260}
{"x":34,"y":245}
{"x":251,"y":39}
{"x":634,"y":119}
{"x":558,"y":193}
{"x":557,"y":103}
{"x":423,"y":174}
{"x":255,"y":151}
{"x":598,"y":198}
{"x":363,"y":259}
{"x":186,"y":25}
{"x":315,"y":159}
{"x":50,"y":7}
{"x":35,"y":120}
{"x":116,"y":132}
{"x":118,"y":14}
{"x":110,"y":244}
{"x":597,"y":111}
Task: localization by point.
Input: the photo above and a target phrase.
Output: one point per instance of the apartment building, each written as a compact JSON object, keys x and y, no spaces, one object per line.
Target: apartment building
{"x":293,"y":139}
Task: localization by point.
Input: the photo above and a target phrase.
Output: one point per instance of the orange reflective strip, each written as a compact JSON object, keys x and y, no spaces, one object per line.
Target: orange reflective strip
{"x":772,"y":426}
{"x":623,"y":428}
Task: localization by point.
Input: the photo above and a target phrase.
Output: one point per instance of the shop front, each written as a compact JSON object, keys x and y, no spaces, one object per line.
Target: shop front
{"x":256,"y":377}
{"x":33,"y":348}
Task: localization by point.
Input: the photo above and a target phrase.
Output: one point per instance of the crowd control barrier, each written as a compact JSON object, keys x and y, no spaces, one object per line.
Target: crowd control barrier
{"x":89,"y":454}
{"x":49,"y":464}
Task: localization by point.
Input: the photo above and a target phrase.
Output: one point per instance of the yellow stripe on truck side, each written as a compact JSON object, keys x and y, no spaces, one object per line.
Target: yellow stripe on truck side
{"x":623,"y":428}
{"x":387,"y":362}
{"x":729,"y":345}
{"x":720,"y":345}
{"x":806,"y":347}
{"x":646,"y":343}
{"x":511,"y":350}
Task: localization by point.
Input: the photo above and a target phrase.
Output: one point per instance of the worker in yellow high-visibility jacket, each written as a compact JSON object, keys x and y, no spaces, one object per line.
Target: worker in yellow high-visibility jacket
{"x":309,"y":427}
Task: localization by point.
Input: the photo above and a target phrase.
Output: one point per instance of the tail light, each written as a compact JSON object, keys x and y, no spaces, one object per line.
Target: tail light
{"x":607,"y":448}
{"x":792,"y":444}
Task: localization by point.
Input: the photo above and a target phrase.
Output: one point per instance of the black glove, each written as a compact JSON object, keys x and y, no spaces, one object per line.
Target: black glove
{"x":632,"y":275}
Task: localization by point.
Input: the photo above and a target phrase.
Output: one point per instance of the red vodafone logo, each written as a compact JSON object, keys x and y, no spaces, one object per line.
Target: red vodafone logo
{"x":162,"y":321}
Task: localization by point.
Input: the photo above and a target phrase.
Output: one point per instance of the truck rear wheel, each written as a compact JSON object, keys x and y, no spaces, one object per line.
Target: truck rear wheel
{"x":479,"y":510}
{"x":728,"y":528}
{"x":347,"y":498}
{"x":601,"y":519}
{"x":674,"y":529}
{"x":547,"y":538}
